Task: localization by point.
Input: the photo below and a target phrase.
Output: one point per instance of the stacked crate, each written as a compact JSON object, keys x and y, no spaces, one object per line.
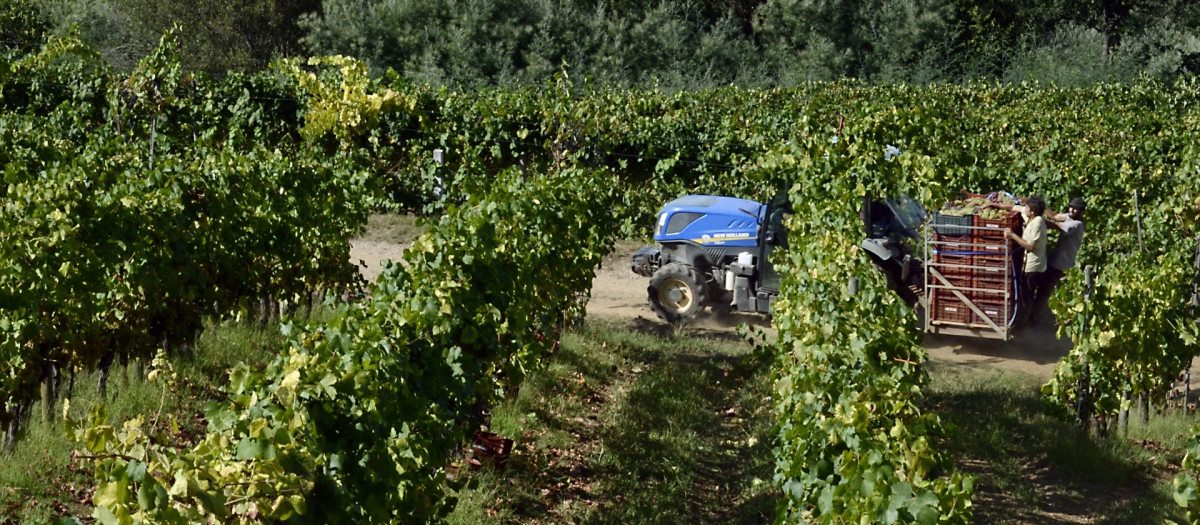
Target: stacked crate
{"x":974,"y":259}
{"x":990,"y":272}
{"x":953,"y":260}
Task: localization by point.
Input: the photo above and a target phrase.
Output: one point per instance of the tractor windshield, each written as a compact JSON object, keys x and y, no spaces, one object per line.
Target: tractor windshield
{"x":910,"y":215}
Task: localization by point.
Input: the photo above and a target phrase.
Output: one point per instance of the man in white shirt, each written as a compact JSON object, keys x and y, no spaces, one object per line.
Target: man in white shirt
{"x":1062,"y":257}
{"x":1033,"y":240}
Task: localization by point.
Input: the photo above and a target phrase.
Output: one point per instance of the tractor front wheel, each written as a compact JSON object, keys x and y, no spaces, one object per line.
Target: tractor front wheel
{"x":677,"y":293}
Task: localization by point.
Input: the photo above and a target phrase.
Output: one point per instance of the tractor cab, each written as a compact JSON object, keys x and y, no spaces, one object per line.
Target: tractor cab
{"x":774,"y":235}
{"x":888,"y":225}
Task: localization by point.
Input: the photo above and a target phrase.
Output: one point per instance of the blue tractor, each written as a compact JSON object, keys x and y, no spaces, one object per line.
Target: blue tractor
{"x":713,"y":251}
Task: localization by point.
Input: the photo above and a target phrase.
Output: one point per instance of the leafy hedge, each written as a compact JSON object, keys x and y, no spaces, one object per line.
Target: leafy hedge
{"x":135,"y":207}
{"x":358,"y":421}
{"x":853,"y":441}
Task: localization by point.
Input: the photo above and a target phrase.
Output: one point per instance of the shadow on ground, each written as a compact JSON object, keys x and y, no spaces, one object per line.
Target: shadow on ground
{"x":1032,"y":467}
{"x":635,"y":422}
{"x":690,"y":440}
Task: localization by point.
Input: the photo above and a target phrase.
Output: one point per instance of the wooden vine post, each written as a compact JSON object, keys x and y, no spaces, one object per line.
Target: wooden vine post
{"x":48,"y":390}
{"x":1123,"y":417}
{"x":1083,"y":407}
{"x":1127,"y":400}
{"x":1187,"y":372}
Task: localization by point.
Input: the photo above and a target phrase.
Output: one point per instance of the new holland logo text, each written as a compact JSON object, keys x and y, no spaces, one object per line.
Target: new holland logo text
{"x":718,"y":238}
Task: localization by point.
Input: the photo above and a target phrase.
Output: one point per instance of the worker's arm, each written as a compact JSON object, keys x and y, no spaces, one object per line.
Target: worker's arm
{"x":1018,"y":239}
{"x":1056,"y":217}
{"x":1067,"y":224}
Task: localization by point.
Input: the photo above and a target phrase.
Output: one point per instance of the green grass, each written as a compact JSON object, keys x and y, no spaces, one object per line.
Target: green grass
{"x":38,"y":481}
{"x":1033,"y":467}
{"x":633,"y":426}
{"x":391,"y":227}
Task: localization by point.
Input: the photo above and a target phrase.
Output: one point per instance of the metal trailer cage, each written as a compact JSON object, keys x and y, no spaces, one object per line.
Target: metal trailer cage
{"x":970,"y":281}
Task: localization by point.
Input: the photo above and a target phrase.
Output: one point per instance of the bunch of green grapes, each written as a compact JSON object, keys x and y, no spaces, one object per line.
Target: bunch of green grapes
{"x":993,"y":214}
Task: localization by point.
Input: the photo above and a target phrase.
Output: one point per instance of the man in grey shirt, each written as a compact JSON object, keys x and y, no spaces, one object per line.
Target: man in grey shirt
{"x":1062,"y":257}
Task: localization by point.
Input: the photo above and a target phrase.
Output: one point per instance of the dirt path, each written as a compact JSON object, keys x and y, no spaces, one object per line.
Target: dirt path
{"x":617,"y":292}
{"x":1036,"y":352}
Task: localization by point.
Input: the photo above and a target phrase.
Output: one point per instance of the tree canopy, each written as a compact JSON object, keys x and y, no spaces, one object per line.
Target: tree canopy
{"x":681,"y":44}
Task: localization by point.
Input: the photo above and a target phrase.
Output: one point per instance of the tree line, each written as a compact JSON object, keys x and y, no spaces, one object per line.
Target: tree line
{"x":680,"y":44}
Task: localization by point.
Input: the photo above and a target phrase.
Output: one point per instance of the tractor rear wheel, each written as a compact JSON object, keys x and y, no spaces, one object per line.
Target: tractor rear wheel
{"x":677,"y":293}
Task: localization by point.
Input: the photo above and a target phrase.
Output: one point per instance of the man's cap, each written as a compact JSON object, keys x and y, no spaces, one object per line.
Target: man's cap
{"x":1078,"y":204}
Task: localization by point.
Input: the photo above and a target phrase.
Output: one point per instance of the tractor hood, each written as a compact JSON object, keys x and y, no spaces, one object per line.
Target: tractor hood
{"x":709,"y":220}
